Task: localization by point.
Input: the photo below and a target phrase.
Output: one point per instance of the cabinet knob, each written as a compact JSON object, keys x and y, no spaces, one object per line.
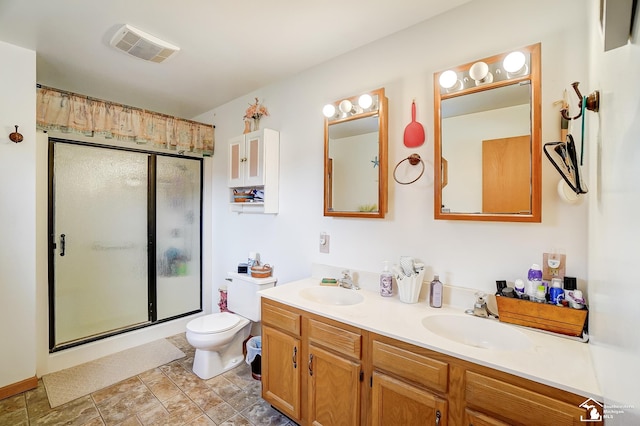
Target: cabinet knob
{"x":438,"y":416}
{"x":311,"y":364}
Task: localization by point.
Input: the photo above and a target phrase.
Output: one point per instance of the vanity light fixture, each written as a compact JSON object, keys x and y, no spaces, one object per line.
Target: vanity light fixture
{"x":346,"y":107}
{"x":513,"y":65}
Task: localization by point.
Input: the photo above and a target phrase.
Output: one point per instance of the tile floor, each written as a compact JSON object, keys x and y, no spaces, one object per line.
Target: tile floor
{"x":168,"y":395}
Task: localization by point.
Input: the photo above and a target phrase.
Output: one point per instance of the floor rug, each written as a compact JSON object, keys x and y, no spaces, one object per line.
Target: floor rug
{"x":72,"y":383}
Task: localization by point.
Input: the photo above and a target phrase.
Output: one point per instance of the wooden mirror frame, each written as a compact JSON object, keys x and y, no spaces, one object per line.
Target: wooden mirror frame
{"x":381,"y":112}
{"x":440,"y":178}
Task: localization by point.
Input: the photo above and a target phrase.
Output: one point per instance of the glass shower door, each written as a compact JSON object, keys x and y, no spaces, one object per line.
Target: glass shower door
{"x":177,"y":236}
{"x":100,"y":233}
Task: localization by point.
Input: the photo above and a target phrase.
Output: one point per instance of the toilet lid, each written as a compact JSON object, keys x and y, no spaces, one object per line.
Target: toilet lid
{"x":214,"y":323}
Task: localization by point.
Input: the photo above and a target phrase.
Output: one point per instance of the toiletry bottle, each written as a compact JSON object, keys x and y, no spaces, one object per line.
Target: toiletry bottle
{"x":540,"y":296}
{"x":386,"y":281}
{"x":534,"y":277}
{"x":519,"y":287}
{"x":435,"y":292}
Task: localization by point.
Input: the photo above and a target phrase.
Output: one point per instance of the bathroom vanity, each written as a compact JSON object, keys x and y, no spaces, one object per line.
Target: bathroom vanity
{"x":331,"y":358}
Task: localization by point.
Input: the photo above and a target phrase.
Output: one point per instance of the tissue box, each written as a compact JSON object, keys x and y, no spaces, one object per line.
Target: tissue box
{"x":544,"y":316}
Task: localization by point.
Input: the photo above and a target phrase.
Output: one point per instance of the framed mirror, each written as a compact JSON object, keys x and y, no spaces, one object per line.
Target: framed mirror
{"x":487,"y":139}
{"x":355,"y":156}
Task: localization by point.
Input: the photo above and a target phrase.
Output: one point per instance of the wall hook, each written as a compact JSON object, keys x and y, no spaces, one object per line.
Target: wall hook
{"x":592,"y":103}
{"x":15,"y":136}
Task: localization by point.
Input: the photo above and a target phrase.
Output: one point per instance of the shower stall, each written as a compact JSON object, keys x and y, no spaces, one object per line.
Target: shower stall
{"x":124,"y":240}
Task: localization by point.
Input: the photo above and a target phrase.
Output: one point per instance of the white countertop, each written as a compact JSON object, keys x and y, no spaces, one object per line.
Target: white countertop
{"x":555,"y":361}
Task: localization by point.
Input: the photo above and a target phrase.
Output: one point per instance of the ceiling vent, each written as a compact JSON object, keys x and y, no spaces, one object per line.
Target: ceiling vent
{"x":142,"y":45}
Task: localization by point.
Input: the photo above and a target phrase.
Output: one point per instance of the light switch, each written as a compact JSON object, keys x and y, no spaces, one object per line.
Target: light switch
{"x":324,"y":242}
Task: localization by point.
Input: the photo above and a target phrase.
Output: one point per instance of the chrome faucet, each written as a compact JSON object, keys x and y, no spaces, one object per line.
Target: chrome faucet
{"x":346,"y":281}
{"x":480,"y":306}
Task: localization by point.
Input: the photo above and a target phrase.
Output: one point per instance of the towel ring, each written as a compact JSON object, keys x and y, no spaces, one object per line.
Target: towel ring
{"x":413,"y":159}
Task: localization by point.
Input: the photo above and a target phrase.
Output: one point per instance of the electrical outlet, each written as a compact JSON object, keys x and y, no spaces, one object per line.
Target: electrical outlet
{"x":324,"y":243}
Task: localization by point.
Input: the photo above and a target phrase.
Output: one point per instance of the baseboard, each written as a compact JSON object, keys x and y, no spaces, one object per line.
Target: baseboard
{"x":18,"y":387}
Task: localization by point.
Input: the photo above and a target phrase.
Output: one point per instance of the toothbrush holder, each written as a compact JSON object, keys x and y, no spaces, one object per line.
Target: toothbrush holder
{"x":409,"y":287}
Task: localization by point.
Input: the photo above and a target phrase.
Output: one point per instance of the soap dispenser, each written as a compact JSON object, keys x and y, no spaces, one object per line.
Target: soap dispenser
{"x":386,"y":281}
{"x":435,"y":292}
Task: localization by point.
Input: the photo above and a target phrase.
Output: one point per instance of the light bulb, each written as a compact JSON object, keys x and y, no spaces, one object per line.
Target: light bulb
{"x":448,"y":79}
{"x":329,"y":110}
{"x":514,"y":62}
{"x":365,"y":101}
{"x":345,"y":106}
{"x":479,"y":71}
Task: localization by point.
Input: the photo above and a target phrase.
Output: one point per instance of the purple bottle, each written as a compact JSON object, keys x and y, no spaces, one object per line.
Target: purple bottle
{"x":534,"y":276}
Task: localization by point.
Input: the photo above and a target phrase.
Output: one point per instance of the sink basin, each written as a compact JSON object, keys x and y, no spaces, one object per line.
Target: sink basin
{"x":477,"y":332}
{"x":332,"y":295}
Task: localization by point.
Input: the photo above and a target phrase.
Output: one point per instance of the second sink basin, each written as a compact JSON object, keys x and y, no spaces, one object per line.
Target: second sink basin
{"x":477,"y":332}
{"x":332,"y":295}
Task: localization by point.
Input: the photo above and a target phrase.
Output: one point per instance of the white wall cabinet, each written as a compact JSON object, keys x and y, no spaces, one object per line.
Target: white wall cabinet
{"x":254,"y":164}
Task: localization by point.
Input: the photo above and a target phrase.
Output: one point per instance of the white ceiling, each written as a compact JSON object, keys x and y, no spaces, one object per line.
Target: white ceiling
{"x":228,"y":47}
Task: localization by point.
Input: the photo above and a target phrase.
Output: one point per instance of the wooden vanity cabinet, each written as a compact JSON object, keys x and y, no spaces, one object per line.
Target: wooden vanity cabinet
{"x":324,"y":384}
{"x":464,"y":393}
{"x":318,"y":371}
{"x":281,"y":359}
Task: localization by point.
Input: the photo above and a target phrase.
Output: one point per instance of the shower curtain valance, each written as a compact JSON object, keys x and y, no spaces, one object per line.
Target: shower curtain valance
{"x":68,"y":112}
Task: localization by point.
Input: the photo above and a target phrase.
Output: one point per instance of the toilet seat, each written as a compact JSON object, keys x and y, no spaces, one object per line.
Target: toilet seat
{"x":214,"y":323}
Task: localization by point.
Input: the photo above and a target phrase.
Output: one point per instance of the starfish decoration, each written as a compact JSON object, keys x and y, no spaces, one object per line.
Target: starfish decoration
{"x":375,"y":162}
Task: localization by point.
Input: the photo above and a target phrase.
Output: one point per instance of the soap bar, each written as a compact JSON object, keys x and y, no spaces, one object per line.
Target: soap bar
{"x":329,"y":281}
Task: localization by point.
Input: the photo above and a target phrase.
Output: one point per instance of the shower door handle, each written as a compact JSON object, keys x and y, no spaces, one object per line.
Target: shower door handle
{"x":63,"y":244}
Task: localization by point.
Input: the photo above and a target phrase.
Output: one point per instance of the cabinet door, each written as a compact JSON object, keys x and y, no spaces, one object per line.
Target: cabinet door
{"x":254,"y":154}
{"x":236,"y":162}
{"x":395,"y":402}
{"x":334,"y":389}
{"x":280,"y":371}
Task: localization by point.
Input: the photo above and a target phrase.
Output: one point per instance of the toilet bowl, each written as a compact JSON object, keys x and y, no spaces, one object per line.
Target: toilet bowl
{"x":218,"y":340}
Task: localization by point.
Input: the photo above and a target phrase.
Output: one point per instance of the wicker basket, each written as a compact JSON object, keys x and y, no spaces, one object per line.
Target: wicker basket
{"x":261,"y":271}
{"x":544,"y":316}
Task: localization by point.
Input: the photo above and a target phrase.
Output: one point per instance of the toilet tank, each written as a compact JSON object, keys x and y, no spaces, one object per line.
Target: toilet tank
{"x":242,"y":294}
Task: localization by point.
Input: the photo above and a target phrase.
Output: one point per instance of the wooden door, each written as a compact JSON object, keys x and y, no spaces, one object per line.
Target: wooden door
{"x":506,"y":175}
{"x":395,"y":402}
{"x":281,"y":371}
{"x":334,"y":389}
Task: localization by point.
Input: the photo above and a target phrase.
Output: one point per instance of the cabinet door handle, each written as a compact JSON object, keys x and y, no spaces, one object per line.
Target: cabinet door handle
{"x":311,"y":364}
{"x":438,"y":415}
{"x":295,"y":357}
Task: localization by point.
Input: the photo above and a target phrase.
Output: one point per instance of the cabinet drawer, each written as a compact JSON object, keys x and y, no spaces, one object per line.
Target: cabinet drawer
{"x":417,"y":368}
{"x":281,"y":318}
{"x":338,"y":339}
{"x":517,"y":405}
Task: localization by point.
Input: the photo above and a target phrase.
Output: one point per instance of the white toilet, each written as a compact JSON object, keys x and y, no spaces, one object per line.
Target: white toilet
{"x":218,"y":337}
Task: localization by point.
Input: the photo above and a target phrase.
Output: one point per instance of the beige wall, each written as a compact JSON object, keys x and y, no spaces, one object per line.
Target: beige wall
{"x":614,"y":227}
{"x":17,"y":215}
